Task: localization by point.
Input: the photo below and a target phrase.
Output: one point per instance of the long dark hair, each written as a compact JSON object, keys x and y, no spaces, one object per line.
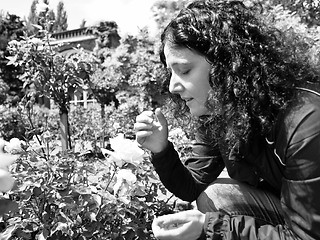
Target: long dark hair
{"x":254,"y":73}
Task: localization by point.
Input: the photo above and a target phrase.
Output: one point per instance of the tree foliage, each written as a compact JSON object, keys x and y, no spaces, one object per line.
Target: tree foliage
{"x":48,"y":73}
{"x":308,"y":10}
{"x":103,"y":82}
{"x":41,"y":15}
{"x":11,"y":28}
{"x":61,"y":21}
{"x":32,"y":17}
{"x":299,"y":32}
{"x":163,"y":11}
{"x":147,"y":72}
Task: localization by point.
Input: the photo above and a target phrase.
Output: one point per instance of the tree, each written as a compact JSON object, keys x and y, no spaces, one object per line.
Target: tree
{"x":43,"y":18}
{"x":103,"y":82}
{"x":11,"y":28}
{"x":308,"y":10}
{"x":40,"y":17}
{"x":50,"y":74}
{"x":147,"y":72}
{"x":83,"y":23}
{"x":163,"y":11}
{"x":61,"y":21}
{"x":33,"y":16}
{"x":133,"y":67}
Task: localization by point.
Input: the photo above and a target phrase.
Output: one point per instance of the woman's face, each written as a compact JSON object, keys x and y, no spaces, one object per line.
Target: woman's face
{"x":189,"y":77}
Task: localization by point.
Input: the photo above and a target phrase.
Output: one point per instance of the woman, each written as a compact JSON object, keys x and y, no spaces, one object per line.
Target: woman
{"x":259,"y":116}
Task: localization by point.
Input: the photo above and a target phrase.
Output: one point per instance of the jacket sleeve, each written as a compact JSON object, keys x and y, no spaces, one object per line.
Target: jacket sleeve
{"x":300,"y":192}
{"x":187,"y":179}
{"x":219,"y":226}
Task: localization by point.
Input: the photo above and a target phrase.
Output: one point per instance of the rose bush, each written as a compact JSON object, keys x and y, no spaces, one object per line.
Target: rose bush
{"x":77,"y":195}
{"x":103,"y":185}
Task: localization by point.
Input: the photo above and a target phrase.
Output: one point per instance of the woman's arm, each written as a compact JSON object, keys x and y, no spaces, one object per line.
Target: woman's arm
{"x":189,"y":178}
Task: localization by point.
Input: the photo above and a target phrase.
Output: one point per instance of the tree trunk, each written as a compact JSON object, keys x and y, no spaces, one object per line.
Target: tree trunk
{"x":64,"y":130}
{"x":102,"y":113}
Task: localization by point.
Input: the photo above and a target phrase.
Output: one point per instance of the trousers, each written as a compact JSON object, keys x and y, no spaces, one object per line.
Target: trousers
{"x":236,"y":198}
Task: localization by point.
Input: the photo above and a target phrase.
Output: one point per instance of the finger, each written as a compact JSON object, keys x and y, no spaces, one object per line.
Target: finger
{"x":169,"y":224}
{"x":143,"y":134}
{"x":161,"y":118}
{"x":161,"y":230}
{"x":174,"y":230}
{"x":179,"y":217}
{"x":146,"y":116}
{"x":169,"y":231}
{"x":139,"y":126}
{"x":147,"y":113}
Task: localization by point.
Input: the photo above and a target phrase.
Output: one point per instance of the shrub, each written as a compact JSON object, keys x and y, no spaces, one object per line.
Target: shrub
{"x":11,"y":123}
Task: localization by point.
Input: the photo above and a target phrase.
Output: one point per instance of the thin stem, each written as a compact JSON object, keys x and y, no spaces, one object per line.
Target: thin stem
{"x":37,"y":137}
{"x":114,"y":173}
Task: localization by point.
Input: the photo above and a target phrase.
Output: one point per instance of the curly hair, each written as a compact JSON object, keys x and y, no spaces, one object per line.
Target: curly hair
{"x":254,"y":72}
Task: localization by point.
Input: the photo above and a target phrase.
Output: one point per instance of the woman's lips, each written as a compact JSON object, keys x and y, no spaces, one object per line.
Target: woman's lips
{"x":187,"y":99}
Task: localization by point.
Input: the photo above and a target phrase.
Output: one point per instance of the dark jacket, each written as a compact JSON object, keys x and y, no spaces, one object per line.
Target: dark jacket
{"x":288,"y":160}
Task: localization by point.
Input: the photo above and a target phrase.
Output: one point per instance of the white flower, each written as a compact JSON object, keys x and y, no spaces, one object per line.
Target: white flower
{"x":36,"y":41}
{"x":126,"y":175}
{"x":128,"y":150}
{"x":125,"y":151}
{"x":113,"y":156}
{"x":125,"y":184}
{"x":14,"y":146}
{"x":13,"y":44}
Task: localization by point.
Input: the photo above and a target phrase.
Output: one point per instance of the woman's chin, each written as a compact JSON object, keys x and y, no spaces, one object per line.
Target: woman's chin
{"x":198,"y":112}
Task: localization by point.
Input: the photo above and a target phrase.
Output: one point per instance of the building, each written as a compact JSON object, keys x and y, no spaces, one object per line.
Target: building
{"x":73,"y":38}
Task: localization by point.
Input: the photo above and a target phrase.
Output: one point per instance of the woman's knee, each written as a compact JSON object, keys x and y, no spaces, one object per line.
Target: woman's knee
{"x":217,"y":196}
{"x":235,"y":198}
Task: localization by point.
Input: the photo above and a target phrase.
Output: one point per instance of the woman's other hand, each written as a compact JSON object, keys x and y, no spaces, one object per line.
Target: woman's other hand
{"x":187,"y":225}
{"x":152,"y":130}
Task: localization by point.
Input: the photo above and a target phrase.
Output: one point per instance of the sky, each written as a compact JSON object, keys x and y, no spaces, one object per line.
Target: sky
{"x":130,"y":15}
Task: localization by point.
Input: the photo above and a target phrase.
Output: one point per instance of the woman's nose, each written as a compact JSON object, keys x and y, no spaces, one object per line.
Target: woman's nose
{"x":175,"y":85}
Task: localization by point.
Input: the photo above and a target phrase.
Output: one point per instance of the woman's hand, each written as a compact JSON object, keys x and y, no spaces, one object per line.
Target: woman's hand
{"x":187,"y":225}
{"x":152,"y":130}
